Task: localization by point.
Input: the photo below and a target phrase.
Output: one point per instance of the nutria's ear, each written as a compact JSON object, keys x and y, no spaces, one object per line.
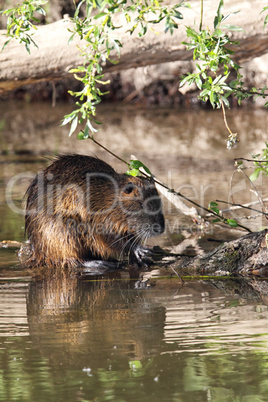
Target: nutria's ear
{"x":129,"y":188}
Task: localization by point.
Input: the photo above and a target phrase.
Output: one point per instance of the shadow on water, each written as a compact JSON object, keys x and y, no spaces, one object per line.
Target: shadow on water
{"x":82,"y":339}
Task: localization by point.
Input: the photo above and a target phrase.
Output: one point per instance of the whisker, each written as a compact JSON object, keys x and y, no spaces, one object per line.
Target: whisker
{"x":142,"y":235}
{"x":120,"y":238}
{"x":134,"y":239}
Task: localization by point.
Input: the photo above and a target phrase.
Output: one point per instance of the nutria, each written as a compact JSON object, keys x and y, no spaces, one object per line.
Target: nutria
{"x":79,"y":210}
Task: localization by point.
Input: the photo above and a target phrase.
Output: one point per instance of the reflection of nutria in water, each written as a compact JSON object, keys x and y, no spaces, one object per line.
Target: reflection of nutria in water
{"x":75,"y":324}
{"x":79,"y":209}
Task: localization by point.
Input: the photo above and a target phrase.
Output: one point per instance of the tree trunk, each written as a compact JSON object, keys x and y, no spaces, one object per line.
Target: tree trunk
{"x":54,"y":57}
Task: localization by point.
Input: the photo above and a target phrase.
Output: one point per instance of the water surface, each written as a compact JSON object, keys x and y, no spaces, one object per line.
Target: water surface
{"x":105,"y":340}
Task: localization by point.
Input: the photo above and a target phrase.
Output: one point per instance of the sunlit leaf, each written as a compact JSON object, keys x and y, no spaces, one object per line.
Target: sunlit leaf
{"x":73,"y":125}
{"x":136,"y":164}
{"x":133,"y":172}
{"x":213,"y":204}
{"x":255,"y":174}
{"x":232,"y":223}
{"x":232,"y":27}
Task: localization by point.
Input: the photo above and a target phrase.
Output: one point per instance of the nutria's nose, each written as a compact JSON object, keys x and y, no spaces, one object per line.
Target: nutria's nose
{"x":159,"y":227}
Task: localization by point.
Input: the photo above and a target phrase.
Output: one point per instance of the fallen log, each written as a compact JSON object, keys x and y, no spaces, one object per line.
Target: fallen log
{"x":54,"y":57}
{"x":245,"y":256}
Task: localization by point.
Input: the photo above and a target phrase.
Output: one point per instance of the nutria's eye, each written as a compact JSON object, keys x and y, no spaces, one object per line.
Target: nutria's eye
{"x":129,"y":188}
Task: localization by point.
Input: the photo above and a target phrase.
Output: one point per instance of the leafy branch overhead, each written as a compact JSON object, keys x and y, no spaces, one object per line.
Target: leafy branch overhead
{"x":98,"y":30}
{"x":213,"y":60}
{"x":20,"y":21}
{"x":214,"y":64}
{"x":101,"y":27}
{"x":261,"y":163}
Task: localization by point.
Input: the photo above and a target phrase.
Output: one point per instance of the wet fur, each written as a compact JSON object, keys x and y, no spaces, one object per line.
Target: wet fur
{"x":68,"y":222}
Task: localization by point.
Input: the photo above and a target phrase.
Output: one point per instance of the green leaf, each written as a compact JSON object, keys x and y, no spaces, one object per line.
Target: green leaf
{"x":205,"y":94}
{"x":90,"y":127}
{"x":71,"y":39}
{"x":214,"y":207}
{"x":198,"y":82}
{"x":255,"y":174}
{"x":81,"y":135}
{"x":86,"y":132}
{"x":213,"y":204}
{"x":100,"y":15}
{"x":266,"y":18}
{"x":184,"y":80}
{"x":265,"y":21}
{"x":133,"y":172}
{"x":98,"y":3}
{"x":217,"y":33}
{"x":212,"y":98}
{"x":225,"y":101}
{"x":73,"y":125}
{"x":40,"y":10}
{"x":136,"y":164}
{"x":191,"y":33}
{"x":219,"y":17}
{"x":232,"y":27}
{"x":178,"y":15}
{"x":27,"y":47}
{"x":232,"y":223}
{"x":6,"y":43}
{"x":135,"y":365}
{"x":68,"y":118}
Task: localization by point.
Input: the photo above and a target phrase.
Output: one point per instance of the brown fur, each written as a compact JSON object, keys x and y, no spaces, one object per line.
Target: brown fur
{"x":80,"y":209}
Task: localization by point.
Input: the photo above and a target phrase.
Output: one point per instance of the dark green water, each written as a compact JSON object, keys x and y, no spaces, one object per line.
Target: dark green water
{"x":101,"y":339}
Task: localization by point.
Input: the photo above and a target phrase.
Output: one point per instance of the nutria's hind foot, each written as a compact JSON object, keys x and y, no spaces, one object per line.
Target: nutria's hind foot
{"x":98,"y":267}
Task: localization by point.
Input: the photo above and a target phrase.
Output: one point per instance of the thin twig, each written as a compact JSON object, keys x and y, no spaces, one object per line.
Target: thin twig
{"x":250,"y":160}
{"x":201,"y":15}
{"x":107,"y":150}
{"x":169,"y":189}
{"x":235,"y":206}
{"x":244,"y":91}
{"x":225,"y":119}
{"x":256,"y":192}
{"x":178,"y":275}
{"x":148,"y":176}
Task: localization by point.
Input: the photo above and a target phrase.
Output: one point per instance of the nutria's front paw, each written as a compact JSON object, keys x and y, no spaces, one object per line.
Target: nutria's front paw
{"x":141,"y":256}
